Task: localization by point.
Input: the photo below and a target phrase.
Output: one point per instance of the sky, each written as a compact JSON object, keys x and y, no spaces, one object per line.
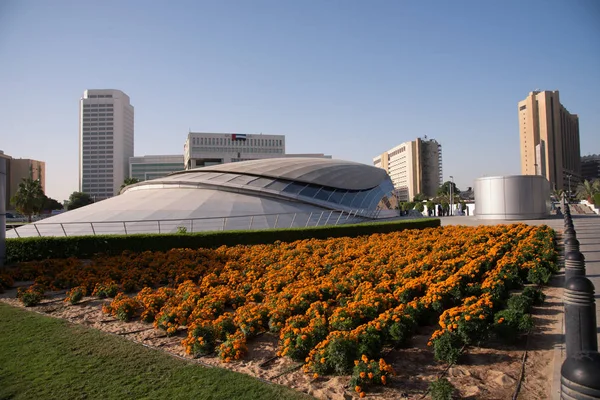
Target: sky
{"x":342,"y":77}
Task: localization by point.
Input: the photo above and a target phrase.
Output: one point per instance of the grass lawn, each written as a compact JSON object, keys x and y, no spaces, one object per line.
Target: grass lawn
{"x":47,"y":358}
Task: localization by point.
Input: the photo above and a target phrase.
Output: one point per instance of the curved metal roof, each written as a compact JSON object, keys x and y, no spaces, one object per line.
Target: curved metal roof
{"x":326,"y":172}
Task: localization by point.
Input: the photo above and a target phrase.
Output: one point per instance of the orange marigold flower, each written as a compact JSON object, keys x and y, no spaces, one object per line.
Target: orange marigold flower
{"x":315,"y":375}
{"x":362,"y":375}
{"x":383,"y":379}
{"x":358,"y":389}
{"x":361,"y":394}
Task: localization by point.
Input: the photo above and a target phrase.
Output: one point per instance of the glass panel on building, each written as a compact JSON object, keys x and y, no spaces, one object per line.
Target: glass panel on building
{"x":310,"y":190}
{"x":294,"y":187}
{"x":324,"y":194}
{"x":278,"y":185}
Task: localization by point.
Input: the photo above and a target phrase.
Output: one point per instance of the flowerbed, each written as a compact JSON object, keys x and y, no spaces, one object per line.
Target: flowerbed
{"x":334,"y":303}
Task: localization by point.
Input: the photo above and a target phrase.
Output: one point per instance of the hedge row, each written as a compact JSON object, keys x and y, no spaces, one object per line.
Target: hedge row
{"x":39,"y":248}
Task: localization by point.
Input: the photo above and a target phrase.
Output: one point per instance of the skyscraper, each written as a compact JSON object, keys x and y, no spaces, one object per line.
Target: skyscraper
{"x":549,"y":137}
{"x":414,"y":167}
{"x":105,"y":141}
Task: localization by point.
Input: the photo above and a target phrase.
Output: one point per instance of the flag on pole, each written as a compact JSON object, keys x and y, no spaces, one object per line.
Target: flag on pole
{"x":238,"y":136}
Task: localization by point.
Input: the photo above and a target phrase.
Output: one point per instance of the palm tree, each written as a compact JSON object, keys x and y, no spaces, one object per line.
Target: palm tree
{"x":127,"y":182}
{"x":586,"y":190}
{"x":29,"y":198}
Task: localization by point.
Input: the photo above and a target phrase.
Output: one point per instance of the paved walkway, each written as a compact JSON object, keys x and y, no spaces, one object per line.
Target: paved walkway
{"x":587,"y":229}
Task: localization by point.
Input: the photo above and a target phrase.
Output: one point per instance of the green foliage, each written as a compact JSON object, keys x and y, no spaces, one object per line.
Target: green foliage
{"x":419,"y":197}
{"x":181,"y":229}
{"x":510,"y":324}
{"x":79,"y":199}
{"x":587,"y":190}
{"x":520,"y":303}
{"x":107,"y":289}
{"x":75,"y":295}
{"x":50,"y":204}
{"x":445,"y":189}
{"x":447,"y":347}
{"x":419,"y":207}
{"x":441,"y":389}
{"x":540,"y":275}
{"x":597,"y":199}
{"x":205,"y":341}
{"x":39,"y":248}
{"x":31,"y":296}
{"x":29,"y":198}
{"x":535,"y":294}
{"x":127,"y":182}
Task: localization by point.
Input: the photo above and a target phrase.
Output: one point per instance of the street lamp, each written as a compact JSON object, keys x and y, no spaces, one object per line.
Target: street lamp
{"x":451,"y":195}
{"x":569,"y":178}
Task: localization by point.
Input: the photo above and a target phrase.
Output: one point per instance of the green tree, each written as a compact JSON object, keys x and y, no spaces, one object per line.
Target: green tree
{"x":79,"y":199}
{"x":420,"y":207}
{"x":29,"y":198}
{"x":127,"y":182}
{"x":419,"y":197}
{"x":50,"y":204}
{"x":445,"y":189}
{"x":586,"y":190}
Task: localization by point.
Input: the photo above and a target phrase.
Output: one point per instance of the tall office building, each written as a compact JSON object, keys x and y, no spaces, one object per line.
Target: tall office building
{"x":414,"y":167}
{"x":549,"y":137}
{"x":204,"y":149}
{"x":105,"y":141}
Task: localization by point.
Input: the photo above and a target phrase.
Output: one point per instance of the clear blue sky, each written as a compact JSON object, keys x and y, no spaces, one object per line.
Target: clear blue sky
{"x":344,"y":77}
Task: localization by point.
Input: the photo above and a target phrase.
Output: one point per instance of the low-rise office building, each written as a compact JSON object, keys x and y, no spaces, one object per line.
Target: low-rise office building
{"x":155,"y":166}
{"x":206,"y":149}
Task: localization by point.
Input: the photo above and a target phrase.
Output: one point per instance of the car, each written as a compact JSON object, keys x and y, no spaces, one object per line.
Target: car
{"x":10,"y":217}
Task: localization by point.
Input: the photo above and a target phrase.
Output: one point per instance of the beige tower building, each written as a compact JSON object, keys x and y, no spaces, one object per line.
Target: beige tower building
{"x":549,"y":137}
{"x":414,"y":167}
{"x":23,"y":168}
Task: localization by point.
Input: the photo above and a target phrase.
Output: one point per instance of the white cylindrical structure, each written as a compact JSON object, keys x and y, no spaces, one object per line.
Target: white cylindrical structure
{"x":513,"y":197}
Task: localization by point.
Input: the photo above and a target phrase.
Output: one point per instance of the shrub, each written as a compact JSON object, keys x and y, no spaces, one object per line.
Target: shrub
{"x":201,"y":339}
{"x":39,"y":248}
{"x":447,"y":347}
{"x":539,"y":275}
{"x":31,"y":296}
{"x":441,"y":389}
{"x":75,"y":295}
{"x":107,"y":289}
{"x":419,"y":207}
{"x":234,"y":348}
{"x":510,"y":324}
{"x":122,"y":307}
{"x":6,"y":281}
{"x":368,"y":373}
{"x":536,"y":295}
{"x":520,"y":303}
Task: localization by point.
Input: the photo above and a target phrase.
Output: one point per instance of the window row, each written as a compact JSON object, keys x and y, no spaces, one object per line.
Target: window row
{"x":97,"y":119}
{"x":236,"y":143}
{"x":236,"y":150}
{"x":97,"y":105}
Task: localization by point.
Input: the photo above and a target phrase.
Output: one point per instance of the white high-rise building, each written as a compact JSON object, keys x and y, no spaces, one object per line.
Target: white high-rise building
{"x":105,"y":141}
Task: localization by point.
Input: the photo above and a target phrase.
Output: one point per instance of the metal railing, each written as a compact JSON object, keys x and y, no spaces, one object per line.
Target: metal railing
{"x":241,"y":222}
